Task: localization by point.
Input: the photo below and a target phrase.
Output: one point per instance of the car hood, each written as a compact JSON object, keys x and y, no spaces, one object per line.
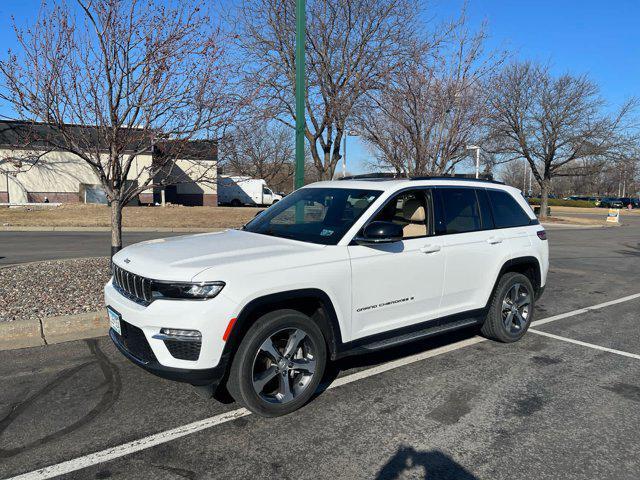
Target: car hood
{"x":184,"y":257}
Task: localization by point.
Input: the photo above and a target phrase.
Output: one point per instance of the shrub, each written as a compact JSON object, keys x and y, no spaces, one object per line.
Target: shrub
{"x":558,"y":202}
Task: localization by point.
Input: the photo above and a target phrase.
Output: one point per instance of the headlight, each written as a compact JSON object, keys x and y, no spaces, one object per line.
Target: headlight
{"x":201,"y":290}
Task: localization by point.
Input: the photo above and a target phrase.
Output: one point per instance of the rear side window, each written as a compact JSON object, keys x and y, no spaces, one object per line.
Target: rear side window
{"x":460,"y":210}
{"x":506,"y":210}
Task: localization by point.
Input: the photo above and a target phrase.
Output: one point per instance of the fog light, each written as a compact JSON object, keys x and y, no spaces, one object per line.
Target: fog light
{"x":194,"y":335}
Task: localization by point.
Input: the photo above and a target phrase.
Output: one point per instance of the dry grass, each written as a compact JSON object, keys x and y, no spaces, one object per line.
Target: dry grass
{"x":599,"y":211}
{"x":133,"y":217}
{"x":197,"y":217}
{"x":576,"y":220}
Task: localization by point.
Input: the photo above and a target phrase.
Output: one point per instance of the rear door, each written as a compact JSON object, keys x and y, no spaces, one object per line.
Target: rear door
{"x":474,"y":251}
{"x":512,"y":223}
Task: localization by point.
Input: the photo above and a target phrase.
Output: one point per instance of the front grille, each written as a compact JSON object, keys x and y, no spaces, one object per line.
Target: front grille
{"x":183,"y":350}
{"x":132,"y":286}
{"x":135,"y":342}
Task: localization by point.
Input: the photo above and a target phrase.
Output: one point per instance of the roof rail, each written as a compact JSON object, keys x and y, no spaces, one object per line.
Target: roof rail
{"x":460,"y":176}
{"x":380,"y":176}
{"x":374,"y":176}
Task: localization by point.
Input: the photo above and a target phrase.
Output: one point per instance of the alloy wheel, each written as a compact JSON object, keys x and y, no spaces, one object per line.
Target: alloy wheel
{"x":284,"y":365}
{"x":516,"y":308}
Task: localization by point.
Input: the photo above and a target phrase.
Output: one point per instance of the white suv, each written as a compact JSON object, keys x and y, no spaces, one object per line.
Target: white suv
{"x":333,"y":269}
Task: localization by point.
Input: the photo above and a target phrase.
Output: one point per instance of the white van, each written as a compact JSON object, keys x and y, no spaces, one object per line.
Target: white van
{"x":238,"y":191}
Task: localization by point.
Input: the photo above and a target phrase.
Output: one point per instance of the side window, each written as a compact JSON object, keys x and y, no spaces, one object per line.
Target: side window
{"x":506,"y":211}
{"x":486,"y":216}
{"x":460,"y":210}
{"x":412,"y":210}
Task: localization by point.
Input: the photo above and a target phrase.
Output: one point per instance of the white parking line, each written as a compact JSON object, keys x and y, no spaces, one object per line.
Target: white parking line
{"x":585,"y":310}
{"x":175,"y":433}
{"x":585,"y":344}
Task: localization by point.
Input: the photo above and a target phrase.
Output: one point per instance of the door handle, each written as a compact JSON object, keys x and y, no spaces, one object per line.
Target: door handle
{"x":430,"y":248}
{"x":494,"y":240}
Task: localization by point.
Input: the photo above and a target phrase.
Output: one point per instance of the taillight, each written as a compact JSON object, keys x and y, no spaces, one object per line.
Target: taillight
{"x":542,"y":235}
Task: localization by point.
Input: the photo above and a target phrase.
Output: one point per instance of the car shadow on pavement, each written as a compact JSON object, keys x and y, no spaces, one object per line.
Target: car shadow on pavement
{"x":355,"y":363}
{"x":408,"y":462}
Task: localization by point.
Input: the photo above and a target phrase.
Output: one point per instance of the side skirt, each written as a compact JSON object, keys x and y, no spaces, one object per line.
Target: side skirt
{"x":412,"y":333}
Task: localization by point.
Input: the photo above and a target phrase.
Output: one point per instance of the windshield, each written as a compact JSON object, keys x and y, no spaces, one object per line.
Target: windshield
{"x":317,"y":215}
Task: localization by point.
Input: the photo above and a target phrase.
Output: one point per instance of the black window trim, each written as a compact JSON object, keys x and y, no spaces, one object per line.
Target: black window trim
{"x":438,"y":210}
{"x":482,"y":220}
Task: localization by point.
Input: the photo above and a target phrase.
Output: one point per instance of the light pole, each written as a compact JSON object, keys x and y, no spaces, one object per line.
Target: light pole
{"x":344,"y":157}
{"x":477,"y":149}
{"x":300,"y":90}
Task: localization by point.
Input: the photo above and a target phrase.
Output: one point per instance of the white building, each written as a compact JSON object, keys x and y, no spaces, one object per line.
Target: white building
{"x":32,"y":170}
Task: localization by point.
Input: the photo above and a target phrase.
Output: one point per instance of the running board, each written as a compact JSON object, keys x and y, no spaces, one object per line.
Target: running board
{"x":413,"y":336}
{"x":426,"y":332}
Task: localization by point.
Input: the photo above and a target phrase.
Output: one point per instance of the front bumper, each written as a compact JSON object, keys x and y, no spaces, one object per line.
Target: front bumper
{"x":209,"y":376}
{"x":209,"y":317}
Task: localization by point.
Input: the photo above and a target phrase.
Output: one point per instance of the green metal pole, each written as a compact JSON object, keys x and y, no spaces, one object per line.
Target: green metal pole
{"x":300,"y":91}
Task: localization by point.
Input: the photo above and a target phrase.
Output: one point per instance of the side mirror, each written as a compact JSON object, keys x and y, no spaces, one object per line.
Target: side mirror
{"x":380,"y":232}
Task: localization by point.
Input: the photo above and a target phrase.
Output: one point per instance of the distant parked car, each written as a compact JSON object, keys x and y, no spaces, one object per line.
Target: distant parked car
{"x":634,"y":202}
{"x":580,"y":197}
{"x":609,"y":202}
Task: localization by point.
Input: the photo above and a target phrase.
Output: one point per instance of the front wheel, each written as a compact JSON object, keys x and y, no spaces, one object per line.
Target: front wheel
{"x":511,"y":309}
{"x":279,"y":363}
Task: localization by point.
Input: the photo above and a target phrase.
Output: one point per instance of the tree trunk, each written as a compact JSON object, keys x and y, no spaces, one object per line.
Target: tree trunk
{"x":544,"y":197}
{"x":116,"y":227}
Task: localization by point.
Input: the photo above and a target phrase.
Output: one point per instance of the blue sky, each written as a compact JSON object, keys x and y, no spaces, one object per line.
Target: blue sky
{"x":601,"y":39}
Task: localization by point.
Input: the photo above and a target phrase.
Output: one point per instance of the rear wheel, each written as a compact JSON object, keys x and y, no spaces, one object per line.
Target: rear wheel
{"x":236,"y":203}
{"x":511,"y":309}
{"x":279,"y":364}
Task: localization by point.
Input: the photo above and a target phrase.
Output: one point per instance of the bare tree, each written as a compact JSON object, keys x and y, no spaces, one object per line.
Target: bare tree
{"x":260,"y":150}
{"x":515,"y":174}
{"x":553,"y":122}
{"x":119,"y":79}
{"x":351,"y":47}
{"x":430,"y":110}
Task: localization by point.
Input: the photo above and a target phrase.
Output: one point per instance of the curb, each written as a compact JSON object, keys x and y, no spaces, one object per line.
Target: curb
{"x":108,"y":229}
{"x":52,"y":330}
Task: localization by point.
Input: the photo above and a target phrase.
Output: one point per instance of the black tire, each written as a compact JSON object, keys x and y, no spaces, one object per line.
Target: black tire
{"x":495,"y":324}
{"x":236,"y":203}
{"x":250,"y":361}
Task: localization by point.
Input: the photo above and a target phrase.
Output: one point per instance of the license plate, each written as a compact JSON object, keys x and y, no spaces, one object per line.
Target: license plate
{"x":114,"y":320}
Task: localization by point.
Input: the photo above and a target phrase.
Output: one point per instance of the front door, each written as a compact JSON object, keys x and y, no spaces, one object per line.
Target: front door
{"x":398,"y":284}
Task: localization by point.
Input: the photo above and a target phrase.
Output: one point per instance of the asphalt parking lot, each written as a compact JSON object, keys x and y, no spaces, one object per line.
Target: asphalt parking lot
{"x":456,"y":407}
{"x":22,"y":247}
